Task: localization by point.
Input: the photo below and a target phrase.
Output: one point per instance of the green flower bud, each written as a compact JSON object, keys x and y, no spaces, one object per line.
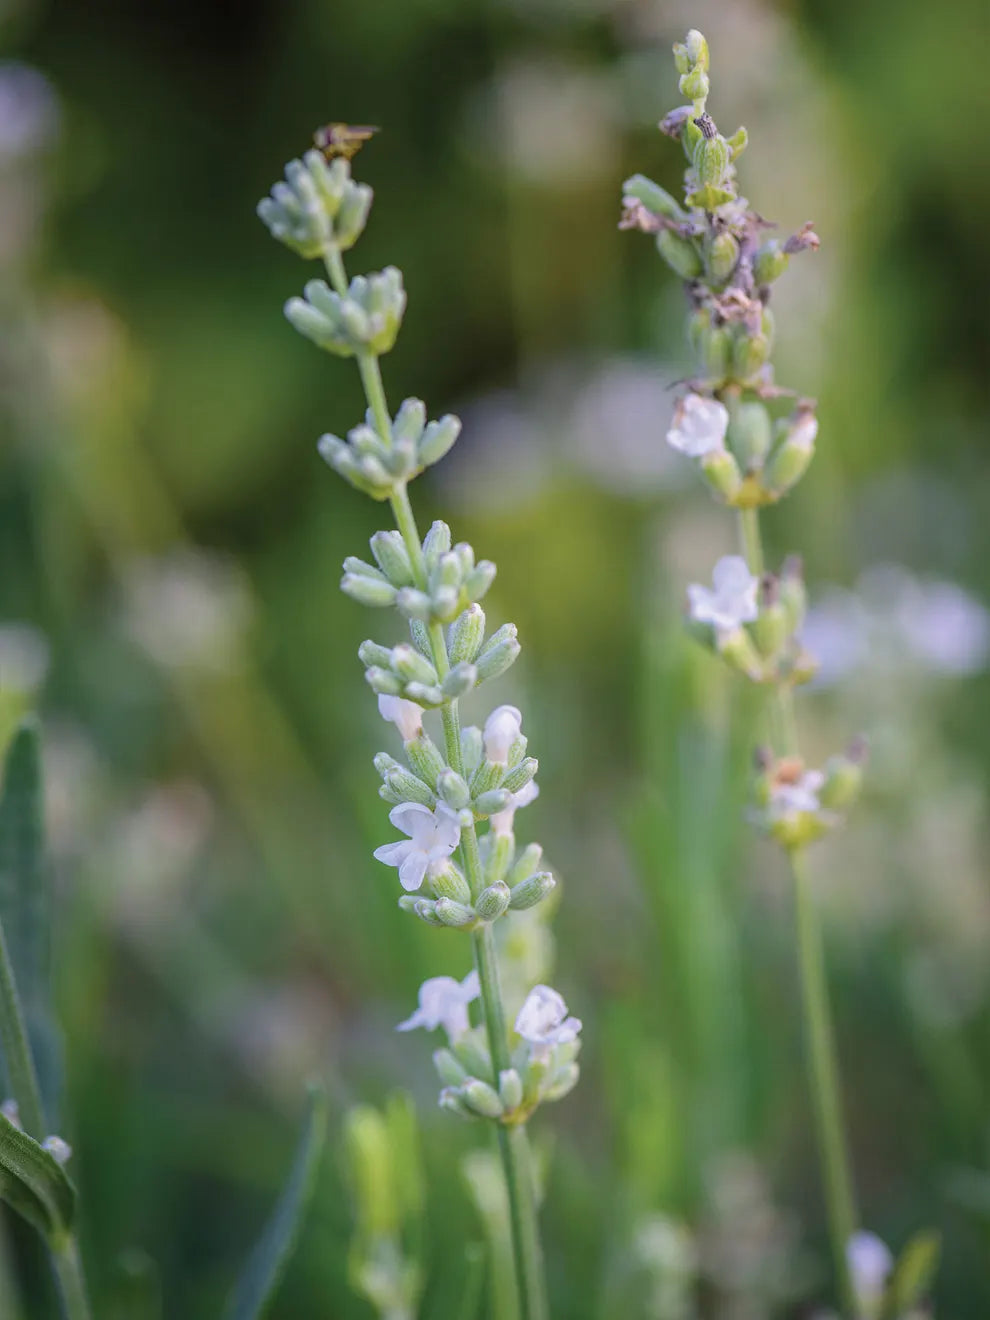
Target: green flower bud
{"x":480,"y":579}
{"x":410,"y":666}
{"x":420,"y":635}
{"x":680,"y":254}
{"x":695,"y":85}
{"x":520,"y":775}
{"x":770,"y":262}
{"x":353,"y":216}
{"x":448,"y":1069}
{"x":371,"y":653}
{"x":682,"y":61}
{"x":750,"y":435}
{"x":383,"y":681}
{"x":526,"y":865}
{"x":425,"y":694}
{"x":409,"y":423}
{"x":481,"y":1098}
{"x":534,"y":1076}
{"x":466,"y":635}
{"x":564,"y":1081}
{"x":721,"y":472}
{"x":527,"y":893}
{"x":425,"y":909}
{"x":716,"y":349}
{"x":452,"y":913}
{"x":737,"y":649}
{"x":492,"y":802}
{"x":723,"y":253}
{"x":472,"y":746}
{"x":461,"y":679}
{"x":499,"y":856}
{"x":738,"y":143}
{"x":793,"y":596}
{"x":492,"y":901}
{"x":791,"y":459}
{"x":451,"y":1100}
{"x":769,"y":629}
{"x":843,"y":777}
{"x":407,"y":787}
{"x":447,"y":881}
{"x":499,"y":653}
{"x":453,"y":789}
{"x":711,"y":154}
{"x":510,"y":1088}
{"x":749,"y":353}
{"x":436,"y":542}
{"x":473,"y":1054}
{"x":697,"y":49}
{"x":446,"y":572}
{"x":414,"y":604}
{"x":376,"y":593}
{"x":424,"y":757}
{"x":653,"y":197}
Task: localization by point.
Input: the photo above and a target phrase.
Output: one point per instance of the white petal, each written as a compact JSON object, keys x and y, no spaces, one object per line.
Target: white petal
{"x":502,"y":728}
{"x":543,"y":1011}
{"x":393,"y":854}
{"x":412,"y":870}
{"x":699,"y":426}
{"x":411,"y":818}
{"x":870,"y":1263}
{"x":405,"y":715}
{"x":418,"y":1019}
{"x":470,"y":986}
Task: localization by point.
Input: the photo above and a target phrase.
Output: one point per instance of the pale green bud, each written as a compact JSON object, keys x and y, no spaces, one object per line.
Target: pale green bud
{"x":510,"y":1088}
{"x":793,"y":596}
{"x":769,"y":629}
{"x":426,"y":694}
{"x":447,"y":881}
{"x":737,"y":649}
{"x":446,"y":572}
{"x":697,"y":49}
{"x":472,"y":747}
{"x":490,"y":803}
{"x":723,"y":253}
{"x":461,"y":679}
{"x":682,"y":61}
{"x":438,"y":439}
{"x":694,"y":84}
{"x":714,"y":350}
{"x":519,"y":776}
{"x":352,"y":217}
{"x":420,"y":635}
{"x":452,"y":913}
{"x":564,"y":1080}
{"x":533,"y":1078}
{"x":450,"y":1072}
{"x":527,"y":893}
{"x":499,"y":653}
{"x":446,"y":602}
{"x":492,"y":901}
{"x":481,"y":1098}
{"x":488,"y":775}
{"x":770,"y":262}
{"x":376,"y":593}
{"x":500,"y":850}
{"x":371,"y":653}
{"x":414,"y":604}
{"x":424,"y":757}
{"x":410,"y":666}
{"x":409,"y":422}
{"x":454,"y":791}
{"x":466,"y":635}
{"x":749,"y":352}
{"x":450,"y":1099}
{"x":711,"y":153}
{"x":738,"y":143}
{"x":843,"y":777}
{"x":653,"y":197}
{"x":526,"y":865}
{"x":791,"y":459}
{"x":680,"y":254}
{"x":383,"y":681}
{"x":408,"y":787}
{"x":471,"y":1051}
{"x":392,"y":558}
{"x":426,"y":910}
{"x":721,"y":471}
{"x":750,"y":435}
{"x":436,"y":542}
{"x":480,"y":579}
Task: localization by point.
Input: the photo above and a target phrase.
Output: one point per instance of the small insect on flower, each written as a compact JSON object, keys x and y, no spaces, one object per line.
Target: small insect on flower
{"x":342,"y":139}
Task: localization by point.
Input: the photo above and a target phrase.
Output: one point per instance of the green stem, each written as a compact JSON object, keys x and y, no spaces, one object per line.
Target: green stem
{"x":513,"y":1147}
{"x":71,"y":1280}
{"x":17,"y":1052}
{"x":752,"y":542}
{"x":824,"y":1081}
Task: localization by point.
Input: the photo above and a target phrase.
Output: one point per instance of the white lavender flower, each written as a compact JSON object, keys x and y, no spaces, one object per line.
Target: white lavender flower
{"x":433,"y":836}
{"x":405,"y":715}
{"x":732,"y":600}
{"x":502,"y":821}
{"x":502,"y":728}
{"x":543,"y":1021}
{"x":443,"y":1003}
{"x":870,"y":1263}
{"x":699,"y":426}
{"x":788,"y":800}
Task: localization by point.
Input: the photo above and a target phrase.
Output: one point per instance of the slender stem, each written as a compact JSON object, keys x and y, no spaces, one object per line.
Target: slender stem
{"x":513,"y":1146}
{"x":71,"y":1281}
{"x":752,"y":543}
{"x":824,"y":1081}
{"x":16,"y":1050}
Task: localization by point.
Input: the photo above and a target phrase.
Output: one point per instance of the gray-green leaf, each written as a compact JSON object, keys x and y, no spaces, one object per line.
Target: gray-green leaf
{"x":914,"y":1273}
{"x":34,"y":1184}
{"x":263,"y":1272}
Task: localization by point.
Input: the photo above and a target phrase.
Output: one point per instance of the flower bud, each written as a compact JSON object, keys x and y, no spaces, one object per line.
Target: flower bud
{"x":383,"y":681}
{"x":499,"y":653}
{"x":480,"y":579}
{"x":721,"y":471}
{"x":425,"y":909}
{"x":749,"y":352}
{"x":843,"y":778}
{"x":470,"y":1052}
{"x":424,"y":757}
{"x":738,"y":143}
{"x":519,"y":776}
{"x":492,"y":901}
{"x":526,"y":865}
{"x":424,"y":694}
{"x":793,"y":596}
{"x":371,"y":653}
{"x":481,"y":1098}
{"x":410,"y":666}
{"x":695,"y":85}
{"x":723,"y":253}
{"x":445,"y":603}
{"x":438,"y":439}
{"x":472,"y":748}
{"x":454,"y":791}
{"x":653,"y":197}
{"x":680,"y":254}
{"x":791,"y":459}
{"x":466,"y":635}
{"x":461,"y":679}
{"x":409,"y":422}
{"x":770,"y":262}
{"x":737,"y":649}
{"x":495,"y":800}
{"x":769,"y":629}
{"x":452,"y":913}
{"x":450,"y":1072}
{"x":711,"y":153}
{"x":436,"y":542}
{"x":564,"y":1081}
{"x":392,"y":558}
{"x":510,"y":1088}
{"x":713,"y":346}
{"x":697,"y":49}
{"x":450,"y":1099}
{"x":375,"y":592}
{"x":499,"y":855}
{"x":420,"y":635}
{"x":527,"y":893}
{"x":446,"y":881}
{"x":404,"y":786}
{"x":352,"y":217}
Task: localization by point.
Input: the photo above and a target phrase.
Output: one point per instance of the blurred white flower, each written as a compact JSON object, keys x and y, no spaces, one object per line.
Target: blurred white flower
{"x":733,"y":600}
{"x":699,"y":426}
{"x":502,"y":728}
{"x":502,"y":821}
{"x":443,"y":1003}
{"x":432,"y":837}
{"x":405,"y":715}
{"x":23,"y":657}
{"x":188,"y":608}
{"x":543,"y":1020}
{"x":870,"y":1263}
{"x":618,"y":413}
{"x":58,"y":1148}
{"x":28,"y":111}
{"x":790,"y":799}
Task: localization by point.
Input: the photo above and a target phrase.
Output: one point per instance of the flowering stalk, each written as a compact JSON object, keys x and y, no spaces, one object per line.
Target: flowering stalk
{"x":439,"y":795}
{"x":753,"y":441}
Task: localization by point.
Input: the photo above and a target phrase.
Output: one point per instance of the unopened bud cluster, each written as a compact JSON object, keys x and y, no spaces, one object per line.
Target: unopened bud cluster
{"x":752,"y":440}
{"x":439,"y":794}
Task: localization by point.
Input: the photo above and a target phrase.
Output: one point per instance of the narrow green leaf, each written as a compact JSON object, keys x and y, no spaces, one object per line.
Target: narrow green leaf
{"x":263,"y":1272}
{"x":914,"y":1273}
{"x":34,"y":1184}
{"x":24,"y":902}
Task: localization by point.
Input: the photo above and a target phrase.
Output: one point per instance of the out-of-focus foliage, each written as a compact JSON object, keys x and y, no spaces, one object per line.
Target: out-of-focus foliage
{"x":170,"y":547}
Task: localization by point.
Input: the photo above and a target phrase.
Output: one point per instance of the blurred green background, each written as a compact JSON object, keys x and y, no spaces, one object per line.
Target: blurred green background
{"x":170,"y":548}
